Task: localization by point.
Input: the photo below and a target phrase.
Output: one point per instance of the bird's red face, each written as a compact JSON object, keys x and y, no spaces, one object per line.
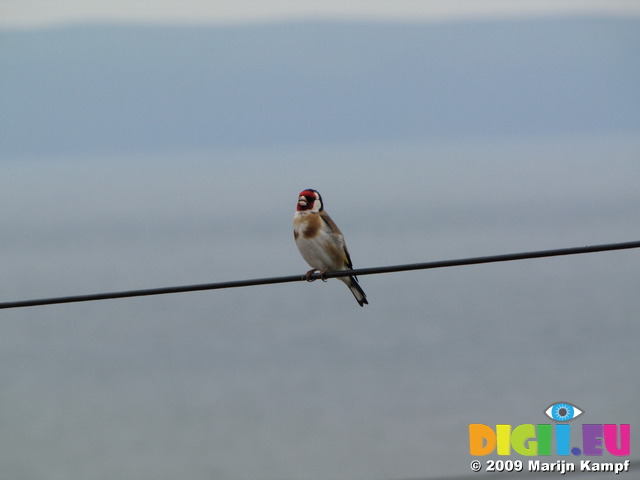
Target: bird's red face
{"x":309,"y":200}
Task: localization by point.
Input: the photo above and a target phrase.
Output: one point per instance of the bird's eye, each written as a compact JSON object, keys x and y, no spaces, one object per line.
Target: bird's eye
{"x":563,"y":412}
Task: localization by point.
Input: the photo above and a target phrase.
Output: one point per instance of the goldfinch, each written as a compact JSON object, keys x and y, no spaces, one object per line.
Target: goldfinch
{"x":321,"y":243}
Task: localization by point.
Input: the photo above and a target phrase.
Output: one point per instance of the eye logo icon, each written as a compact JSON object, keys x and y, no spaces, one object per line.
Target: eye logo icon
{"x":563,"y":412}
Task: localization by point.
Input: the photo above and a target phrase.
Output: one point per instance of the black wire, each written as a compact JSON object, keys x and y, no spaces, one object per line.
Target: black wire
{"x":297,"y":278}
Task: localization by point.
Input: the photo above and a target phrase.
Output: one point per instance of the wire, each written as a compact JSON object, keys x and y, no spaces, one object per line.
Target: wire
{"x":298,"y":278}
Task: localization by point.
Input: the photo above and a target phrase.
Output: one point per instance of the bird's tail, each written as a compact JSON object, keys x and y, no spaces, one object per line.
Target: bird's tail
{"x":355,"y":288}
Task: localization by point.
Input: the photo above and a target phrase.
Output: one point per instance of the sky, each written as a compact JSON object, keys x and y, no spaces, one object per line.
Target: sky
{"x":35,"y":13}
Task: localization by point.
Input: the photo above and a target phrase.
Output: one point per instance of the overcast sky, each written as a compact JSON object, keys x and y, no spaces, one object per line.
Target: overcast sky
{"x":18,"y":13}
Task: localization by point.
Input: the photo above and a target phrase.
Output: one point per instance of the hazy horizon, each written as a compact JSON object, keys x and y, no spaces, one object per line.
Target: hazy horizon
{"x":38,"y":14}
{"x":92,"y":89}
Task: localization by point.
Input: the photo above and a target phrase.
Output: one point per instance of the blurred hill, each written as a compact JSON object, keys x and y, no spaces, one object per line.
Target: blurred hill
{"x":106,"y":88}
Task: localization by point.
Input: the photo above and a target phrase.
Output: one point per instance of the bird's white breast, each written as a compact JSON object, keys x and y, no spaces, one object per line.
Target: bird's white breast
{"x":318,"y":250}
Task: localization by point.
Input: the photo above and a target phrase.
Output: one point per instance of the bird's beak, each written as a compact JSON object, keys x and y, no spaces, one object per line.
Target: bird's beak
{"x":302,"y":201}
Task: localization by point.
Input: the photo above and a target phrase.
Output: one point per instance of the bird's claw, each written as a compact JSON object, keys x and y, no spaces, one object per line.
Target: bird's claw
{"x":308,"y":276}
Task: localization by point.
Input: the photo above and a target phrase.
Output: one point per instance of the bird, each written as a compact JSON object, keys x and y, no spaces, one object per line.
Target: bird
{"x":321,"y":242}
